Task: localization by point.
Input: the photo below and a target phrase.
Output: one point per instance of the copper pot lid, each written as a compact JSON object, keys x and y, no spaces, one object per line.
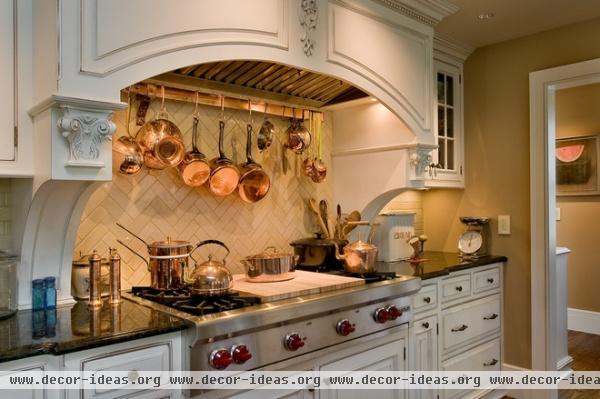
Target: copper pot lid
{"x":168,"y":243}
{"x":270,"y":253}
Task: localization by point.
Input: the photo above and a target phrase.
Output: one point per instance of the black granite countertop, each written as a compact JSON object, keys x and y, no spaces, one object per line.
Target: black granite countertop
{"x":73,"y":327}
{"x":437,"y":264}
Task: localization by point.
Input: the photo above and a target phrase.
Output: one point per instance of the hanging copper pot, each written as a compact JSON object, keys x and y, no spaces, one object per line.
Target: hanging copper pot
{"x":254,"y":182}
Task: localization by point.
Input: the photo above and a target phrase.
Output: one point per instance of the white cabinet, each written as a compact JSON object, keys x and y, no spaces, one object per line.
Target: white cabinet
{"x":163,"y":352}
{"x":155,"y":353}
{"x":387,"y":357}
{"x":447,"y":166}
{"x":462,"y":330}
{"x":34,"y":364}
{"x":7,"y":79}
{"x":425,"y":343}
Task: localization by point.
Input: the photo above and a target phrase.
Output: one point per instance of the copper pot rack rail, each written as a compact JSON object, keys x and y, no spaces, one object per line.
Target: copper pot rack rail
{"x":259,"y":106}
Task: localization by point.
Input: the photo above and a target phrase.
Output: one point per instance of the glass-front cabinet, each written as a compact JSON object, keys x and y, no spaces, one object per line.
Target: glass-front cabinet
{"x":446,"y":168}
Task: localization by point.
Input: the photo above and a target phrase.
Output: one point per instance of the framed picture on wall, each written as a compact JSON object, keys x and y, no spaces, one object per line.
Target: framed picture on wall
{"x":577,"y":166}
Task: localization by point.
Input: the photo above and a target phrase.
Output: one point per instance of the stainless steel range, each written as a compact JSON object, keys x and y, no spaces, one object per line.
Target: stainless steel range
{"x":237,"y":332}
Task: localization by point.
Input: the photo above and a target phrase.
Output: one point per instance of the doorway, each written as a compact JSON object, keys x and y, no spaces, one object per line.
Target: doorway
{"x":543,"y":86}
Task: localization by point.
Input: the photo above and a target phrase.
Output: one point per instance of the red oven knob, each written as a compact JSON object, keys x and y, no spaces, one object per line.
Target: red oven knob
{"x":393,"y":312}
{"x":240,"y":354}
{"x":293,"y":342}
{"x":381,"y":315}
{"x":220,"y":359}
{"x":344,"y":327}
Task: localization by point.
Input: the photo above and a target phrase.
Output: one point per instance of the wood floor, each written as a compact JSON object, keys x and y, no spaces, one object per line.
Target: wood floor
{"x":585,"y":351}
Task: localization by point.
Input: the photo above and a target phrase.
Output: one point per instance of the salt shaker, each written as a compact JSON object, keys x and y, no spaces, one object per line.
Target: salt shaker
{"x":115,"y":278}
{"x":95,"y":301}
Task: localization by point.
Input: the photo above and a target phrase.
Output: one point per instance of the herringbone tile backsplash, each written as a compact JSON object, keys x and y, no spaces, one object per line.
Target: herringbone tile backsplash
{"x":156,"y":204}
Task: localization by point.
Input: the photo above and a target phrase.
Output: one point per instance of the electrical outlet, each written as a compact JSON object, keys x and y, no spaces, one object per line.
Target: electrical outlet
{"x":557,"y":214}
{"x":504,"y":224}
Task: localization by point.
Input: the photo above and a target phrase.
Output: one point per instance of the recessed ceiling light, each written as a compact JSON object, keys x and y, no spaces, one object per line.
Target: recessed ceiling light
{"x":485,"y":16}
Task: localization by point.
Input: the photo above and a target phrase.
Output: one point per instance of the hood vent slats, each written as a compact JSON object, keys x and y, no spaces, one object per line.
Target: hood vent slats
{"x":267,"y":80}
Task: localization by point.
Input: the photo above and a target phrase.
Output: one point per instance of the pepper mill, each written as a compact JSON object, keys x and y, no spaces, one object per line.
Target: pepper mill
{"x":115,"y":278}
{"x":95,"y":301}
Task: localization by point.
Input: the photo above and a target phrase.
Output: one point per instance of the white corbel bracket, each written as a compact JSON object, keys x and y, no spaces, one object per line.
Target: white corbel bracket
{"x":73,"y":138}
{"x":85,"y":131}
{"x":419,"y":159}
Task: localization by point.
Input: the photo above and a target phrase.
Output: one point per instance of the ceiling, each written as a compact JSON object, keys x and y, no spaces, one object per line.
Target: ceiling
{"x":512,"y":18}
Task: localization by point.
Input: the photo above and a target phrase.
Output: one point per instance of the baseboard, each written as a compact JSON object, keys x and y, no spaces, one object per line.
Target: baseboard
{"x":584,"y":321}
{"x":517,"y":393}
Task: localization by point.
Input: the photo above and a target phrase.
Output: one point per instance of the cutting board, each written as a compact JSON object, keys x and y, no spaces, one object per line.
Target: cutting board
{"x":305,"y":283}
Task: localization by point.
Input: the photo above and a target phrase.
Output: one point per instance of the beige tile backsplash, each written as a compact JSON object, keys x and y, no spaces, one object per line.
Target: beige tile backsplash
{"x":156,"y":204}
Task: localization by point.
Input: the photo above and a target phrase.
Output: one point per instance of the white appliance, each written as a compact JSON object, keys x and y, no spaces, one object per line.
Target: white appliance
{"x":394,"y":230}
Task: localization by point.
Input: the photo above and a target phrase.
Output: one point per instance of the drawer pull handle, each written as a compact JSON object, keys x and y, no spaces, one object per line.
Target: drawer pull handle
{"x":491,"y":317}
{"x":425,"y":325}
{"x":459,"y":288}
{"x":427,"y":299}
{"x":491,"y":280}
{"x":493,"y":362}
{"x":461,"y":328}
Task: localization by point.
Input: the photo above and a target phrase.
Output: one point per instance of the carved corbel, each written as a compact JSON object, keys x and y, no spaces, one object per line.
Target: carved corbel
{"x":308,"y":14}
{"x":85,"y":131}
{"x":419,"y":160}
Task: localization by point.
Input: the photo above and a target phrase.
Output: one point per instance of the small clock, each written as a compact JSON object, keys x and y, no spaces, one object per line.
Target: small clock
{"x":473,"y":242}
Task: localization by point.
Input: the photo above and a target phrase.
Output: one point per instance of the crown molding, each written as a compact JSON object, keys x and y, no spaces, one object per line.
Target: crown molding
{"x":429,"y":12}
{"x":450,"y":47}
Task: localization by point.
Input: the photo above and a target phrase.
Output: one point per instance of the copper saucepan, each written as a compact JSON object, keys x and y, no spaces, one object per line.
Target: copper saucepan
{"x":224,"y":176}
{"x":194,"y":168}
{"x":255,"y":182}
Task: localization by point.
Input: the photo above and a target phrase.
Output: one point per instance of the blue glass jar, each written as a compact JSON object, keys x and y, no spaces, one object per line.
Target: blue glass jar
{"x":50,"y":283}
{"x":38,"y":294}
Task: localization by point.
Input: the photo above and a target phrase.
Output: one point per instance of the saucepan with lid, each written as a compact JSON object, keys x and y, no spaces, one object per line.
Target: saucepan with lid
{"x":270,"y":266}
{"x":167,"y":261}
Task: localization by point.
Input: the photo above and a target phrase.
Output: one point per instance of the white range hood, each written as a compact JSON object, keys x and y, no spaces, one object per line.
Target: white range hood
{"x":382,"y":47}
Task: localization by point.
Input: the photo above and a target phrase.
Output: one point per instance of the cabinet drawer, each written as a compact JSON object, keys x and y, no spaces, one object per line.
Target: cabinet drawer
{"x":485,"y":357}
{"x":426,"y":298}
{"x":456,"y":287}
{"x":472,"y":320}
{"x":151,"y":358}
{"x":486,"y":280}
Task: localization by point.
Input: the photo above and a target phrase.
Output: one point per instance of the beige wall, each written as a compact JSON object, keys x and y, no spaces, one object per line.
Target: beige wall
{"x":577,"y":115}
{"x":497,"y":160}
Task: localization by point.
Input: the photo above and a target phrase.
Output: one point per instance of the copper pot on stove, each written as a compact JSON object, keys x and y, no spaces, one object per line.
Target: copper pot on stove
{"x":167,"y":261}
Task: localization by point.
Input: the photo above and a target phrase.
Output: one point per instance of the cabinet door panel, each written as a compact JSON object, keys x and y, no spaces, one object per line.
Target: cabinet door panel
{"x":426,"y":353}
{"x":7,"y":72}
{"x":388,"y":357}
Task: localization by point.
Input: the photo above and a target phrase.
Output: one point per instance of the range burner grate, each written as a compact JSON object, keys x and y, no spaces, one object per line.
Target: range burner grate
{"x":182,"y":299}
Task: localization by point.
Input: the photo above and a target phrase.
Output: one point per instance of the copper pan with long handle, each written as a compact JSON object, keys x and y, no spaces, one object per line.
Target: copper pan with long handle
{"x":224,"y":176}
{"x":254,"y":182}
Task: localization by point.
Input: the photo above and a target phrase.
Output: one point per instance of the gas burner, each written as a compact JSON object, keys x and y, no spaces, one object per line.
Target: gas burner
{"x":198,"y":305}
{"x":369,"y":278}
